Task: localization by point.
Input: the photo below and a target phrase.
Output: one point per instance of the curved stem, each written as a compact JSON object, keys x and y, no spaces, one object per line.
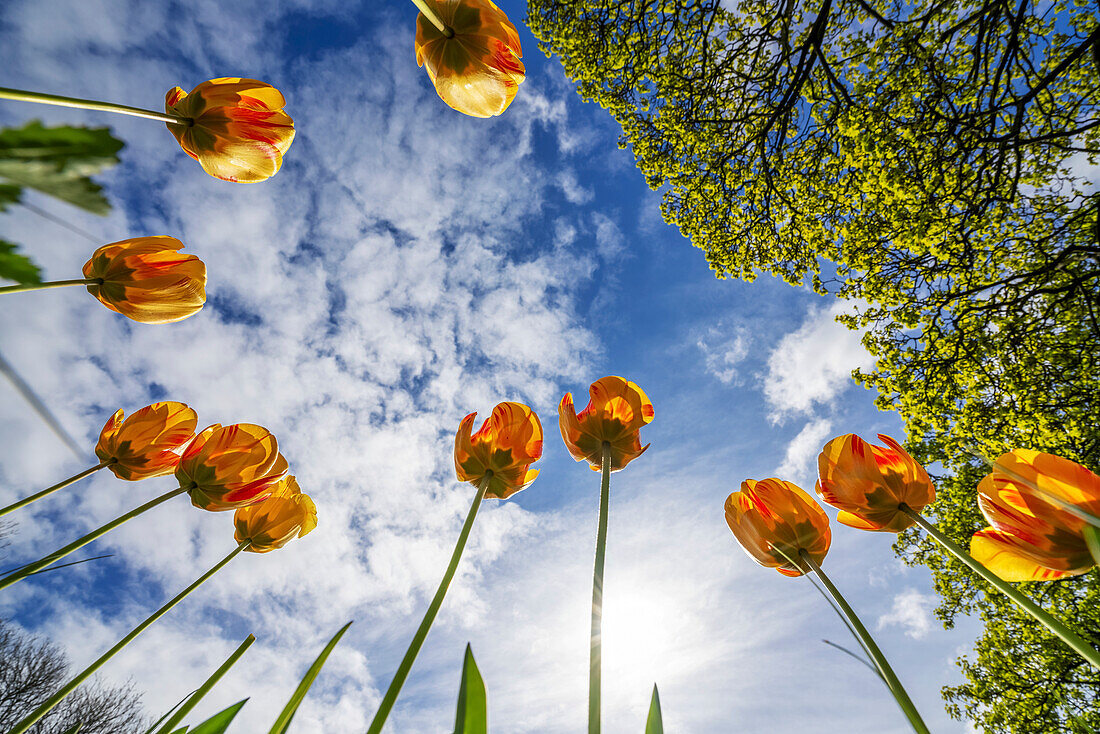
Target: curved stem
{"x":60,"y":553}
{"x":69,"y":687}
{"x":433,"y":16}
{"x":1068,"y":636}
{"x":595,"y":659}
{"x":52,"y":284}
{"x":832,"y":605}
{"x":50,"y":490}
{"x":426,"y":624}
{"x":869,"y":644}
{"x":57,"y":100}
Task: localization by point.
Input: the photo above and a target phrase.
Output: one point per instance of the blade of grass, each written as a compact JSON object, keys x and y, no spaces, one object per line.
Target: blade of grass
{"x":472,"y":714}
{"x":74,"y":728}
{"x":848,"y":652}
{"x":653,"y":723}
{"x":194,"y":699}
{"x":63,"y":565}
{"x":900,"y":694}
{"x":219,"y":722}
{"x":161,"y":720}
{"x":283,"y":722}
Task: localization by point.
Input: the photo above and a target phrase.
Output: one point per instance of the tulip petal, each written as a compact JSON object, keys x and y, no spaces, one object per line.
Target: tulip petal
{"x":997,"y":552}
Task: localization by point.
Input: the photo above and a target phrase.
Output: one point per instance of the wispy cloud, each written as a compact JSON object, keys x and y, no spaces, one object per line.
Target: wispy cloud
{"x":812,"y":365}
{"x":799,"y":463}
{"x":912,"y":611}
{"x":724,"y":349}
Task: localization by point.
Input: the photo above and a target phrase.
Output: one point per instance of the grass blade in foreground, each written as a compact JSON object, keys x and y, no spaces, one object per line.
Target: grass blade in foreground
{"x":191,"y":701}
{"x":654,"y":724}
{"x":219,"y":722}
{"x":1068,"y":636}
{"x":472,"y":712}
{"x":283,"y":722}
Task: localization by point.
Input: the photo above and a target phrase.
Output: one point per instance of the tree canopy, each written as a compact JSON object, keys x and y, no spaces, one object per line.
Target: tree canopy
{"x":926,"y":161}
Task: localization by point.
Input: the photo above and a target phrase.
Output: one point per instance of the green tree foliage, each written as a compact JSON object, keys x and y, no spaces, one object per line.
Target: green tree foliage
{"x":59,"y":162}
{"x":920,"y":160}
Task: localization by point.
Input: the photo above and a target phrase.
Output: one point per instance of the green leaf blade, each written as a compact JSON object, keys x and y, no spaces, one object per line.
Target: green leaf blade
{"x":472,"y":714}
{"x":283,"y":722}
{"x":17,"y":267}
{"x":59,"y":161}
{"x":219,"y":722}
{"x":654,"y":724}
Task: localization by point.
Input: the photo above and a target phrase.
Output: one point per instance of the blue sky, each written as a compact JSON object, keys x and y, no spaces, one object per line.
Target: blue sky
{"x":407,"y":266}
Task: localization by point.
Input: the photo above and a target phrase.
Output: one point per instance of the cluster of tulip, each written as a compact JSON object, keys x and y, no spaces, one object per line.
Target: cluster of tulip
{"x":237,"y":130}
{"x":1044,"y":513}
{"x":237,"y":467}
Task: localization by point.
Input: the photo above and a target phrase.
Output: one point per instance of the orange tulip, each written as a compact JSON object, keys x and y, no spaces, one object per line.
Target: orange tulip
{"x":277,"y":520}
{"x":149,"y":442}
{"x":506,"y":446}
{"x":615,"y":413}
{"x":773,"y":520}
{"x":868,"y":483}
{"x":228,"y":467}
{"x":238,"y":129}
{"x":478,"y":70}
{"x":147,"y":279}
{"x":1031,"y":538}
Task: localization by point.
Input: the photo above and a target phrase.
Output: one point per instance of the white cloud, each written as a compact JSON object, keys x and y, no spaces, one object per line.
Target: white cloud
{"x":574,"y":192}
{"x":812,"y":365}
{"x":609,"y":238}
{"x":799,"y":465}
{"x":724,"y":348}
{"x":912,"y":611}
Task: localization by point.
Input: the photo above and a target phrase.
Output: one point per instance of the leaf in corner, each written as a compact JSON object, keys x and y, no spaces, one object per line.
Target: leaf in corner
{"x":9,"y":194}
{"x":14,"y":266}
{"x":58,"y":161}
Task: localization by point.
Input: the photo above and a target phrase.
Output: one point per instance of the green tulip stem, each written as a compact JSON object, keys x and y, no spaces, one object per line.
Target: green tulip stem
{"x":872,"y":648}
{"x":69,"y":687}
{"x":595,"y":659}
{"x":20,"y":288}
{"x":1068,"y":636}
{"x":1092,"y":540}
{"x":50,"y":490}
{"x":403,"y":669}
{"x":21,"y":95}
{"x":433,"y":16}
{"x":60,"y":553}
